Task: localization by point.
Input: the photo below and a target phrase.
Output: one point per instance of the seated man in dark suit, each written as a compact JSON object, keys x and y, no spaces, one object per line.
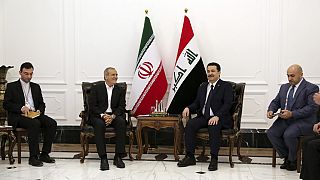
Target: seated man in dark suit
{"x":311,"y":152}
{"x":21,"y":97}
{"x":212,"y":104}
{"x":107,"y":108}
{"x":296,"y":118}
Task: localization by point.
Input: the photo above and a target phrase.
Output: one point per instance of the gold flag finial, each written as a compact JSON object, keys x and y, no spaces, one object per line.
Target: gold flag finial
{"x":186,"y":10}
{"x":146,"y":11}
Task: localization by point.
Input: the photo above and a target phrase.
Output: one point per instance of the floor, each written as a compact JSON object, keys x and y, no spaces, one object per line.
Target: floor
{"x":146,"y":169}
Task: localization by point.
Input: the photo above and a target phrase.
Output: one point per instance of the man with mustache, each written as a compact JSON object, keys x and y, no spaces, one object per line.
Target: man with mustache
{"x":310,"y":152}
{"x":296,"y":117}
{"x":212,"y":105}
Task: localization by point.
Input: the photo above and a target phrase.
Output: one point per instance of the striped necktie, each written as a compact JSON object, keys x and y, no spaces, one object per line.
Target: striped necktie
{"x":290,"y":97}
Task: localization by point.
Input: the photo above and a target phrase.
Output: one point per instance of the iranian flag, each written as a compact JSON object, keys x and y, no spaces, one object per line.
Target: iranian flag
{"x":189,"y":72}
{"x":149,"y":81}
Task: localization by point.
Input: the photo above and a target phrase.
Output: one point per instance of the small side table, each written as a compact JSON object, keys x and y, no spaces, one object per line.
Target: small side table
{"x":158,"y":122}
{"x":7,"y":132}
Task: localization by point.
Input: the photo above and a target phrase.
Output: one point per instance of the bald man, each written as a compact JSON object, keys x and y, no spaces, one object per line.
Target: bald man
{"x":296,"y":117}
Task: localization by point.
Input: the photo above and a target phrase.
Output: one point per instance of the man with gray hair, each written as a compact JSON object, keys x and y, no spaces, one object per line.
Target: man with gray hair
{"x":107,"y":108}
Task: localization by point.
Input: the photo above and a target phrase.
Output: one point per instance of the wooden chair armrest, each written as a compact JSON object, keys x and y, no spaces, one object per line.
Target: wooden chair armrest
{"x":83,"y":116}
{"x":235,"y":118}
{"x":128,"y":112}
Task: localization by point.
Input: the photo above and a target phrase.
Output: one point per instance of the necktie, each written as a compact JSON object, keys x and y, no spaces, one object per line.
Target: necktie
{"x":207,"y":107}
{"x":290,"y":98}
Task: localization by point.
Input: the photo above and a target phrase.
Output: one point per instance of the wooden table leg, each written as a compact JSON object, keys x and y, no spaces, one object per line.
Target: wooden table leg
{"x":181,"y":139}
{"x":146,"y":140}
{"x":139,"y":140}
{"x":176,"y":141}
{"x":3,"y":145}
{"x":12,"y":142}
{"x":19,"y":147}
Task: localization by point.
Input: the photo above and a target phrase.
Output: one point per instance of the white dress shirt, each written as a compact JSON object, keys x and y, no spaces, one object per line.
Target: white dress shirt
{"x":27,"y":95}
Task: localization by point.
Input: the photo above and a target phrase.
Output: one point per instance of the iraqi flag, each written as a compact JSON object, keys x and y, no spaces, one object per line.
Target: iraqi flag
{"x":189,"y":72}
{"x":149,"y":81}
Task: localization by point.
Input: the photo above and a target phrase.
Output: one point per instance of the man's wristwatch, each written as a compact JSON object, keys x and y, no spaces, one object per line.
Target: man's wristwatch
{"x":113,"y":116}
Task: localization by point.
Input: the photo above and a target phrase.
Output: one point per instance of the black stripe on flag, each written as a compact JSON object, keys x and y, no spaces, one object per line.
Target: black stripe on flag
{"x":187,"y":92}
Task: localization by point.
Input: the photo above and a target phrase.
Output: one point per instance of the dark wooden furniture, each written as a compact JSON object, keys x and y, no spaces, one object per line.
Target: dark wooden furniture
{"x":299,"y":154}
{"x":158,"y":122}
{"x":87,"y":130}
{"x":231,"y":135}
{"x":19,"y":133}
{"x":6,"y":132}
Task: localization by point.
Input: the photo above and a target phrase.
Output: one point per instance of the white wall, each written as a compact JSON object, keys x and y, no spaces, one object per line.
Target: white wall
{"x":70,"y":41}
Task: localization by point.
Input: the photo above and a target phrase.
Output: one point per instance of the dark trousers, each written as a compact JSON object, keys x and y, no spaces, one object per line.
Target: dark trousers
{"x":311,"y":159}
{"x":119,"y":123}
{"x":191,"y":129}
{"x":43,"y":123}
{"x":283,"y":135}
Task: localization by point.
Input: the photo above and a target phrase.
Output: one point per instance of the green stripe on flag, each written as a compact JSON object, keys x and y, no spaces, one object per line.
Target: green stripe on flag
{"x":146,"y":40}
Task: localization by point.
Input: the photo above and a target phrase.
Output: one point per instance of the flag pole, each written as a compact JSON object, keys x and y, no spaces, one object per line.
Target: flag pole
{"x":186,"y":10}
{"x":146,"y":11}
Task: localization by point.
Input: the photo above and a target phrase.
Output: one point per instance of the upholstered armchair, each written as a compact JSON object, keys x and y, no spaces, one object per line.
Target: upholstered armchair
{"x":87,"y":131}
{"x":231,"y":135}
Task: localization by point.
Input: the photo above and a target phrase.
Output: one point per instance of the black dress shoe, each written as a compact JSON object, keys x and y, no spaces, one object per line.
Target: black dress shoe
{"x":187,"y":161}
{"x":33,"y":161}
{"x":118,"y":162}
{"x":46,"y":158}
{"x":284,"y":164}
{"x":104,"y":165}
{"x":213,"y":166}
{"x":291,"y":165}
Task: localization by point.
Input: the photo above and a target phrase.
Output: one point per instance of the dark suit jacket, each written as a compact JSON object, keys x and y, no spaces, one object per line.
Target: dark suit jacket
{"x":14,"y":100}
{"x":303,"y":108}
{"x":221,"y":103}
{"x":98,"y":100}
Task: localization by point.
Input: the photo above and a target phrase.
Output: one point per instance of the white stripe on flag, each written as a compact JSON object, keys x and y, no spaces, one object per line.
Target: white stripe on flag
{"x":183,"y":67}
{"x":145,"y":91}
{"x":151,"y":55}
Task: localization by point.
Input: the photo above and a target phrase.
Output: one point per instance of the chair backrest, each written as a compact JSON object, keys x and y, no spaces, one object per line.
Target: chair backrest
{"x":237,"y":104}
{"x":86,"y":89}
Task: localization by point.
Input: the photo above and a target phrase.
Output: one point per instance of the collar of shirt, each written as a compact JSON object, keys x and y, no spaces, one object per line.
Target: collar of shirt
{"x":297,"y":85}
{"x":209,"y":84}
{"x":109,"y":87}
{"x":295,"y":88}
{"x":25,"y":88}
{"x":24,"y":84}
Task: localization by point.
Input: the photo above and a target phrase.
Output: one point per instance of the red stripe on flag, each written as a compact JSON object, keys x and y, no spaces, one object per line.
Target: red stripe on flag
{"x":186,"y":35}
{"x":154,"y":90}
